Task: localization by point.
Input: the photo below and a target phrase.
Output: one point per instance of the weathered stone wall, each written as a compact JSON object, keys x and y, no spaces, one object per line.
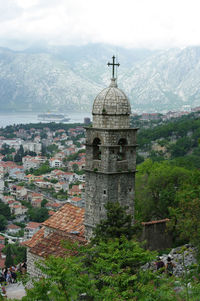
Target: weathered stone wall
{"x":32,"y":270}
{"x":111,"y":158}
{"x":111,"y":121}
{"x":156,"y":237}
{"x":101,"y":188}
{"x":110,"y":172}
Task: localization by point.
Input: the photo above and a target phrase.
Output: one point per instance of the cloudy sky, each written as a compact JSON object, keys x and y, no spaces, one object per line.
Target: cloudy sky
{"x":127,"y":23}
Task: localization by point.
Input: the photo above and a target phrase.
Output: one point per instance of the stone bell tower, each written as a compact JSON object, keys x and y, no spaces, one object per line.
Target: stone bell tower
{"x":110,"y":155}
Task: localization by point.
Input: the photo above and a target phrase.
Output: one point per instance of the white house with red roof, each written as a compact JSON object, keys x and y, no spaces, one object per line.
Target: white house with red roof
{"x":17,"y":208}
{"x":30,"y":229}
{"x":43,"y":184}
{"x":34,"y":196}
{"x":31,"y":162}
{"x":13,"y":229}
{"x":6,"y":198}
{"x":55,"y":163}
{"x":60,"y":155}
{"x":77,"y":201}
{"x":61,"y":185}
{"x":75,"y":191}
{"x":70,"y":151}
{"x":20,"y":192}
{"x":36,"y":203}
{"x":79,"y":164}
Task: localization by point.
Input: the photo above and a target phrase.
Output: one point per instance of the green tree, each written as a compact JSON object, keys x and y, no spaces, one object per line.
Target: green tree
{"x":110,"y":269}
{"x":38,"y":214}
{"x":9,"y":258}
{"x":18,"y":252}
{"x":5,"y":149}
{"x":53,"y":148}
{"x":54,"y":181}
{"x":157,"y":185}
{"x":44,"y":168}
{"x":5,"y":210}
{"x":3,"y":222}
{"x":185,"y":218}
{"x":75,"y":167}
{"x":44,"y":202}
{"x":117,"y":223}
{"x":44,"y":150}
{"x":65,"y":280}
{"x":19,"y":155}
{"x":107,"y":271}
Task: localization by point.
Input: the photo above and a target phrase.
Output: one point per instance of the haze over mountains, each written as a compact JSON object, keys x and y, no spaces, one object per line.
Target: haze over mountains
{"x":68,"y":78}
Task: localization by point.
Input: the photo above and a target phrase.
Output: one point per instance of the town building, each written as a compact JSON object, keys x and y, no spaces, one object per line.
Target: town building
{"x":31,"y":228}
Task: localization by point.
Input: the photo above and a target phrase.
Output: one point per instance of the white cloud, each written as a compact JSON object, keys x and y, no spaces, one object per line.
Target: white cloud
{"x":130,"y":23}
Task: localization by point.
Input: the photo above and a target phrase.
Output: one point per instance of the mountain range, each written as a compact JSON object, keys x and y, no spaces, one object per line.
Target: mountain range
{"x":68,"y":78}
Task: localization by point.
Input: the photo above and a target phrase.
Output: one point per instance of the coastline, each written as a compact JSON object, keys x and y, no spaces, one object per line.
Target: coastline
{"x":11,"y":118}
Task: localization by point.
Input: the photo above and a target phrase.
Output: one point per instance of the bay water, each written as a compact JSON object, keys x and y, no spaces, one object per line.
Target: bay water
{"x":25,"y":118}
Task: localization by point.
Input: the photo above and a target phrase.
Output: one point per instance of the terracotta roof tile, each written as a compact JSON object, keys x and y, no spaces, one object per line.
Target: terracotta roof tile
{"x":33,"y":225}
{"x":53,"y":245}
{"x":35,"y":239}
{"x":76,"y":199}
{"x":155,"y":222}
{"x":68,"y":219}
{"x":12,"y":226}
{"x":2,"y":263}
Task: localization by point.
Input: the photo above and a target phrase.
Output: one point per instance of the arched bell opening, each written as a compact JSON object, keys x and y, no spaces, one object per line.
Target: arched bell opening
{"x":122,"y":149}
{"x":96,"y":149}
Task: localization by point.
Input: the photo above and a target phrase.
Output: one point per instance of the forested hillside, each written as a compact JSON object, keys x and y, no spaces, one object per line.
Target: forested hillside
{"x":176,"y":140}
{"x":168,"y":181}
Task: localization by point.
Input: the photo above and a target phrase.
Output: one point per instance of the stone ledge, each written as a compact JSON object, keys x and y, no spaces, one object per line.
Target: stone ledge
{"x":110,"y":173}
{"x":110,"y":130}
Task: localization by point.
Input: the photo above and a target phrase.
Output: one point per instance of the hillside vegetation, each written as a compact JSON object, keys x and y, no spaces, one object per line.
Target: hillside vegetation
{"x":168,"y":180}
{"x":176,"y":140}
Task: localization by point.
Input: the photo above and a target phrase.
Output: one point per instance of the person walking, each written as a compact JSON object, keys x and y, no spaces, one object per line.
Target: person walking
{"x":169,"y":266}
{"x":160,"y":265}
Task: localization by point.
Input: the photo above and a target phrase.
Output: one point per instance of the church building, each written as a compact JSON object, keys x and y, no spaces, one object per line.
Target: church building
{"x":110,"y":155}
{"x":110,"y":176}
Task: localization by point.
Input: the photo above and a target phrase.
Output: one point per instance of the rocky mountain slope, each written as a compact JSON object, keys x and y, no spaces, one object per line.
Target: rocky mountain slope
{"x":68,"y":78}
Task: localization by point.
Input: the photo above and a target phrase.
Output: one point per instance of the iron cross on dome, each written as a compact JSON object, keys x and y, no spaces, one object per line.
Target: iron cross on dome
{"x":113,"y":64}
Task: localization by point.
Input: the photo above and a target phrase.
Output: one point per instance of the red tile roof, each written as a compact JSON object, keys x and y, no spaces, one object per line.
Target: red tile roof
{"x":33,"y":225}
{"x":76,"y":199}
{"x":53,"y":245}
{"x":12,"y":226}
{"x":68,"y":219}
{"x":155,"y":222}
{"x":2,"y":263}
{"x":35,"y":239}
{"x":67,"y":224}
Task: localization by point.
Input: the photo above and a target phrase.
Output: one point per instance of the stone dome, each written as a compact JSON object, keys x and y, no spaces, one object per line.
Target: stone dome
{"x":111,"y":108}
{"x":111,"y":101}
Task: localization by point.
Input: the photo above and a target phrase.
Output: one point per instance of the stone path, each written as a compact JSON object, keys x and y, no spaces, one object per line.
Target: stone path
{"x":15,"y":291}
